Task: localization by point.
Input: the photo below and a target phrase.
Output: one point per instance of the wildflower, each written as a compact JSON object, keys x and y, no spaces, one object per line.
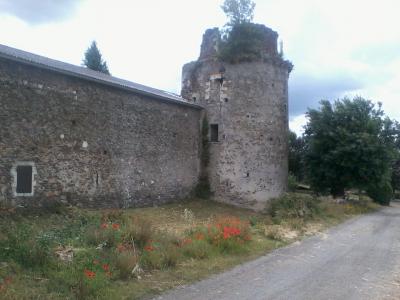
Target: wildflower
{"x":149,"y":248}
{"x":115,"y":226}
{"x":104,"y":225}
{"x":199,"y":236}
{"x":108,"y":273}
{"x":89,"y":274}
{"x":186,"y":241}
{"x":230,"y":231}
{"x":106,"y":267}
{"x":95,"y":262}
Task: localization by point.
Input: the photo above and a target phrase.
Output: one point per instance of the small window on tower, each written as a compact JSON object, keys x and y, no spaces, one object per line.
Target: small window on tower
{"x":214,"y":133}
{"x":24,"y":179}
{"x":23,"y":174}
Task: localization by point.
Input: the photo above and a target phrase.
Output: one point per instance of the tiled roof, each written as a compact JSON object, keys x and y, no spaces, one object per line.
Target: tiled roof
{"x":87,"y":74}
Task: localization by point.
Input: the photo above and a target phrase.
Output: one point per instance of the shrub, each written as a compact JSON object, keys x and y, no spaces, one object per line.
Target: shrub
{"x":138,"y":230}
{"x":125,"y":262}
{"x":227,"y":235}
{"x":106,"y":235}
{"x":159,"y":255}
{"x":197,"y":249}
{"x":244,"y":42}
{"x":294,"y":205}
{"x":25,"y":248}
{"x":381,"y":193}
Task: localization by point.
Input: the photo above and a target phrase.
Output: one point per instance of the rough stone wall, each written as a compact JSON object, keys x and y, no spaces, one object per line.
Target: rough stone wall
{"x":249,"y":102}
{"x":91,"y":144}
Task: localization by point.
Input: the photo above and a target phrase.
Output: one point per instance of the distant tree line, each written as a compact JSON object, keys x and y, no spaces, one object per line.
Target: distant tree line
{"x":350,"y":144}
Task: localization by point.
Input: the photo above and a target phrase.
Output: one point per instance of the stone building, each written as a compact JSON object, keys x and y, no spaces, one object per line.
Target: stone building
{"x":247,"y":108}
{"x":72,"y":134}
{"x":75,"y":135}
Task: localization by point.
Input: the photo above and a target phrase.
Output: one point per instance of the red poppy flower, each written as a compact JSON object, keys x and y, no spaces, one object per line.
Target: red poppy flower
{"x":149,"y":248}
{"x":106,"y":267}
{"x":104,"y":225}
{"x":115,"y":226}
{"x":89,"y":274}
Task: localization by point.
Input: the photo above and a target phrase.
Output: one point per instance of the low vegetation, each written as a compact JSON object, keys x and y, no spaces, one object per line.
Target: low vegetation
{"x":114,"y":254}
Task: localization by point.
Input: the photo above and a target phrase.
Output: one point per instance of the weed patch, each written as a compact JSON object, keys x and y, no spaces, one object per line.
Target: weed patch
{"x":133,"y":253}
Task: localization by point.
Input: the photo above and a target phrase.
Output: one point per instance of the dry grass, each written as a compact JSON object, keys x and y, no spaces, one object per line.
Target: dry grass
{"x":168,"y":225}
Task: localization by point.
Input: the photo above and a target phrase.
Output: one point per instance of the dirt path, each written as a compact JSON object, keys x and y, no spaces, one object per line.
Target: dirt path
{"x":359,"y":259}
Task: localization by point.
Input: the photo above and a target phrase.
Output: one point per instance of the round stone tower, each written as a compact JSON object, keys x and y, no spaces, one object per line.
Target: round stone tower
{"x":246,"y":105}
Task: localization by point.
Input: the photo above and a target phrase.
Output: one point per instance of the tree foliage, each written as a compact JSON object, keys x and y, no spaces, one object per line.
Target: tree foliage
{"x":93,"y":59}
{"x":350,"y":144}
{"x":296,"y":156}
{"x":238,"y":11}
{"x":244,"y":42}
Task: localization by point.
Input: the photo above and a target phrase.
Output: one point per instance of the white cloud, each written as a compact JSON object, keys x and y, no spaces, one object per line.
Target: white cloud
{"x":38,"y":12}
{"x":297,"y":124}
{"x":337,"y":47}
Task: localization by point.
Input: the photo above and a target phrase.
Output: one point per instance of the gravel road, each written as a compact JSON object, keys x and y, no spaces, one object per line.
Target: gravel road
{"x":359,"y":259}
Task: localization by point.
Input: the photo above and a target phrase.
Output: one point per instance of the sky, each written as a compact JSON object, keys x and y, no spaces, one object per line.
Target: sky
{"x":340,"y":48}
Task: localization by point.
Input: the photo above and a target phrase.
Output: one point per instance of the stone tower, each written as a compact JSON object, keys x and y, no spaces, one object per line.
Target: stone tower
{"x":246,"y":105}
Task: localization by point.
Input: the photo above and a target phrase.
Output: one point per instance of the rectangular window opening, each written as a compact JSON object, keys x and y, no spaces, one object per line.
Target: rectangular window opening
{"x":24,"y":179}
{"x":214,"y":133}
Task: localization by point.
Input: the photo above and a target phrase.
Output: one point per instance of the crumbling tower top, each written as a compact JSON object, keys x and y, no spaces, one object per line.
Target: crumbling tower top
{"x":265,"y":37}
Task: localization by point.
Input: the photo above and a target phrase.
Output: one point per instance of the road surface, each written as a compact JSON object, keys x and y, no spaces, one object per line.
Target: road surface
{"x":359,"y":259}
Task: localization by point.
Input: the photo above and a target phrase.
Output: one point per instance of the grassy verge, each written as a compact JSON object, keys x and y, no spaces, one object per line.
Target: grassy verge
{"x":66,"y":253}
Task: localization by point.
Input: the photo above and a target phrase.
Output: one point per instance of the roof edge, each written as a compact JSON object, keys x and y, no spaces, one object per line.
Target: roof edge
{"x":172,"y":99}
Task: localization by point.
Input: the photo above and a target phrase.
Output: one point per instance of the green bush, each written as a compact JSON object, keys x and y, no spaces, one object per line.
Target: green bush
{"x":197,"y":249}
{"x":30,"y":250}
{"x":294,"y":205}
{"x":160,"y":254}
{"x":381,"y":193}
{"x":138,"y":230}
{"x":244,"y":42}
{"x":106,"y":237}
{"x":125,"y":262}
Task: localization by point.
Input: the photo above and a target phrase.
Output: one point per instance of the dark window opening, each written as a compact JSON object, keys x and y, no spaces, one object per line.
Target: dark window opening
{"x":24,"y":179}
{"x":214,"y":132}
{"x":97,"y":179}
{"x":247,"y":174}
{"x":105,"y":152}
{"x":73,"y":122}
{"x":226,"y":99}
{"x":194,"y":99}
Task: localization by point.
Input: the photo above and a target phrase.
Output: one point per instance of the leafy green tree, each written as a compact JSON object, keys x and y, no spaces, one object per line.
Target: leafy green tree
{"x":239,"y":11}
{"x":296,"y":156}
{"x":350,"y":144}
{"x":93,"y":59}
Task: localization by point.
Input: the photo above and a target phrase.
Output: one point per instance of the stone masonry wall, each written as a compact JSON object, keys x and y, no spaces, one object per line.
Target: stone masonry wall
{"x":91,"y":144}
{"x":249,"y":102}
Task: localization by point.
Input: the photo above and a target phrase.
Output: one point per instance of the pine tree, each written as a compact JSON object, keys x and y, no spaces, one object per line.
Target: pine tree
{"x":93,"y":59}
